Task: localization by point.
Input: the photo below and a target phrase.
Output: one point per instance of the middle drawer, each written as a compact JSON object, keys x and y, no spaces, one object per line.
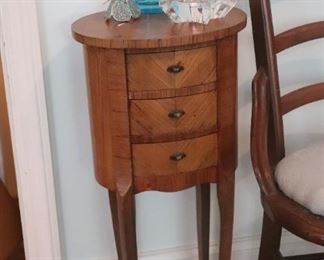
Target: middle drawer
{"x":173,"y":119}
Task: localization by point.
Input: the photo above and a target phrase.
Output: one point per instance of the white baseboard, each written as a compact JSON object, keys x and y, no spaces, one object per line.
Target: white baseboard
{"x":246,"y":248}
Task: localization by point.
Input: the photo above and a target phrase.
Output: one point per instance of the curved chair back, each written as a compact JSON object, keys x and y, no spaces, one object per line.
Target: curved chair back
{"x":267,"y":45}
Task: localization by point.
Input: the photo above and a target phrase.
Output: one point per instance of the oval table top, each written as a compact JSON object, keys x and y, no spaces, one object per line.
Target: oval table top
{"x":153,"y":31}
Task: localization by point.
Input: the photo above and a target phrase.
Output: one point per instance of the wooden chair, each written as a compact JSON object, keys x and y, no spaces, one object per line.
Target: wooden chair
{"x":267,"y":136}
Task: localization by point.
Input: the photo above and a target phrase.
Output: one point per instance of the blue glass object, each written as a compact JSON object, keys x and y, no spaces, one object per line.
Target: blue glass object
{"x":149,"y":6}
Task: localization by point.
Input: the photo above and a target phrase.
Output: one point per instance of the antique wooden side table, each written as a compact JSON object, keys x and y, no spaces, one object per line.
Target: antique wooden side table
{"x":163,"y":105}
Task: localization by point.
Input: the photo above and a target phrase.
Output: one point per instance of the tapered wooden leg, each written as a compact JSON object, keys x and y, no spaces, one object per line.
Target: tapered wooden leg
{"x":114,"y":216}
{"x":270,"y":240}
{"x":203,"y":219}
{"x":225,"y":194}
{"x":123,"y":216}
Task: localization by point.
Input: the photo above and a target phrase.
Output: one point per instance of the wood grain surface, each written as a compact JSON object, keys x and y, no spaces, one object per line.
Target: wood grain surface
{"x":151,"y":121}
{"x":227,"y":106}
{"x":108,"y":103}
{"x":154,"y":159}
{"x":175,"y":182}
{"x":227,"y":136}
{"x":153,"y":31}
{"x":111,"y":140}
{"x":148,"y":72}
{"x":172,"y":92}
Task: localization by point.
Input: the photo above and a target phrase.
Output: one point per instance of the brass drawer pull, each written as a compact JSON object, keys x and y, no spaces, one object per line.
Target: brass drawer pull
{"x":175,"y":68}
{"x":177,"y":156}
{"x":176,"y":114}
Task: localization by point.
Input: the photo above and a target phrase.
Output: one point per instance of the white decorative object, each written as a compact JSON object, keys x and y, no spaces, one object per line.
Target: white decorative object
{"x":122,"y":10}
{"x":198,"y":11}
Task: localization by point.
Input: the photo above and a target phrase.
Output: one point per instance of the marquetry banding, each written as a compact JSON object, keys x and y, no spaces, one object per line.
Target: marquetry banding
{"x":179,"y":180}
{"x":175,"y":92}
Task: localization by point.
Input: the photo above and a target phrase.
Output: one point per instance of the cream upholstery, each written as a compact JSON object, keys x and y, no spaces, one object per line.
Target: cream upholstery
{"x":300,"y":176}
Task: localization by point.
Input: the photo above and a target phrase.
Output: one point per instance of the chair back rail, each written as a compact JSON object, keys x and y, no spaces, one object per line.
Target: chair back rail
{"x":298,"y":35}
{"x":301,"y":97}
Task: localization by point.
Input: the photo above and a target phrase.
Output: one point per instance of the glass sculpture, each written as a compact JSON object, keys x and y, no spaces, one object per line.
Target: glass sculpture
{"x":198,"y":11}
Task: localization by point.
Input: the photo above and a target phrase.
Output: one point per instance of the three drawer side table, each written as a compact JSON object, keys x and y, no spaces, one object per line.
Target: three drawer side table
{"x":163,"y":109}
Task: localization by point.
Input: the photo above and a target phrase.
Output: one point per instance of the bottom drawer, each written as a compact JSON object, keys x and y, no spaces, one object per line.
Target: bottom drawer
{"x":175,"y":157}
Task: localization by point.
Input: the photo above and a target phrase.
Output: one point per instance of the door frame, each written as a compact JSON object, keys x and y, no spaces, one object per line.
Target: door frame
{"x":25,"y":93}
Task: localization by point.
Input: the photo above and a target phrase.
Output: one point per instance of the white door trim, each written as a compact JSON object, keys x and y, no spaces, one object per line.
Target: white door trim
{"x":23,"y":72}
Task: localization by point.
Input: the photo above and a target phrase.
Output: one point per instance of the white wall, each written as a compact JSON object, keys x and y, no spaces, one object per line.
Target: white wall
{"x":163,"y":220}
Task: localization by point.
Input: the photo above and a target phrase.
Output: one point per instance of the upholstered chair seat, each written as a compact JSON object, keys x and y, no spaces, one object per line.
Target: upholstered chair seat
{"x":300,"y":176}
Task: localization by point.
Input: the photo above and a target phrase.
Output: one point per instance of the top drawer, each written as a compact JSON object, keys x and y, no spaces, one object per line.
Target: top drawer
{"x":154,"y":72}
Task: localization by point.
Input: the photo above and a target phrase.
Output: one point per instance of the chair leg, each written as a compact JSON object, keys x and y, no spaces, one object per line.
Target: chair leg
{"x":270,"y":240}
{"x":123,"y":216}
{"x":203,"y":219}
{"x":225,"y":193}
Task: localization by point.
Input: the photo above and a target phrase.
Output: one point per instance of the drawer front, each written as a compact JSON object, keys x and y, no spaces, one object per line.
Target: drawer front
{"x":173,"y":119}
{"x":175,"y":157}
{"x":169,"y":70}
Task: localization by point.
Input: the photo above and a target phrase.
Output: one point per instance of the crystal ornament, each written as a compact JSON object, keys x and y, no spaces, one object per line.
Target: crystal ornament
{"x":122,"y":10}
{"x":198,"y":11}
